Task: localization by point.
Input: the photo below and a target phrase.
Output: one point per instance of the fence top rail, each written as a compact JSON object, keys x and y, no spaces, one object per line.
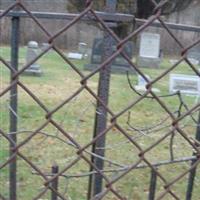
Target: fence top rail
{"x":110,"y":17}
{"x":182,"y":27}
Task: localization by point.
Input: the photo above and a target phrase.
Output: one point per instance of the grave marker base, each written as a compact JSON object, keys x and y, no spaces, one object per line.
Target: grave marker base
{"x":114,"y":68}
{"x":148,"y":62}
{"x":33,"y":72}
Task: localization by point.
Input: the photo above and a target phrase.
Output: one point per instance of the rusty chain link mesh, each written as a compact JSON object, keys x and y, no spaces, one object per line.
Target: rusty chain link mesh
{"x":140,"y":154}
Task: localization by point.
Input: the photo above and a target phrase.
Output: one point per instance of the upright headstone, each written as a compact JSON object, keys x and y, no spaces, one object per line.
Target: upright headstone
{"x":149,"y":53}
{"x":32,"y":53}
{"x":82,"y":48}
{"x":119,"y":64}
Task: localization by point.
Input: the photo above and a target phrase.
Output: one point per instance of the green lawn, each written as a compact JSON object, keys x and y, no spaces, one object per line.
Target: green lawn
{"x":57,"y":83}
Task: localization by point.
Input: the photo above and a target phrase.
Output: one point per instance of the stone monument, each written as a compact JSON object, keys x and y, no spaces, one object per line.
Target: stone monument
{"x":149,"y":52}
{"x":32,"y":53}
{"x":119,"y":64}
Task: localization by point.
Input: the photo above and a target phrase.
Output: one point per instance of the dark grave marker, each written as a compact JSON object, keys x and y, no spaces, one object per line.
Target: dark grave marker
{"x":119,"y":64}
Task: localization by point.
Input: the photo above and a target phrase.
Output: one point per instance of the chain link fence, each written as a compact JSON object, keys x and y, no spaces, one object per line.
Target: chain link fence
{"x":92,"y":135}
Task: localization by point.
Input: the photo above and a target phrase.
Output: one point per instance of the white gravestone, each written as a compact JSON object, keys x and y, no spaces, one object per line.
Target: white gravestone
{"x":32,"y":53}
{"x":82,"y":49}
{"x":76,"y":56}
{"x":142,"y":84}
{"x":149,"y":53}
{"x":186,"y":84}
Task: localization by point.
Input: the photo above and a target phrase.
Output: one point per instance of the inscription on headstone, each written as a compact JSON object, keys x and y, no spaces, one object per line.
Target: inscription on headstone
{"x":119,"y":64}
{"x":186,"y":84}
{"x":149,"y":53}
{"x":32,"y":53}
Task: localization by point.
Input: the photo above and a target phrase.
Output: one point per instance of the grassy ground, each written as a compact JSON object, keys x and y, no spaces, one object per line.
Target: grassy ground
{"x":58,"y":82}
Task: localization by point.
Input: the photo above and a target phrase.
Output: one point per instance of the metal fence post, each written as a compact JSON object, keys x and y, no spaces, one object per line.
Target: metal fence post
{"x":192,"y":173}
{"x":152,"y":188}
{"x":96,"y":180}
{"x":13,"y":105}
{"x":54,"y":184}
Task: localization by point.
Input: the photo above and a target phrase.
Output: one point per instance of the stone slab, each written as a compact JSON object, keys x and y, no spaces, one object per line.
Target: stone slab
{"x":33,"y":72}
{"x":186,"y":84}
{"x":76,"y":56}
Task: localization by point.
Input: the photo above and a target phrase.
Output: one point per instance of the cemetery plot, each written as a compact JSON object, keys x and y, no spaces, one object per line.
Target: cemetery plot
{"x":54,"y":87}
{"x":74,"y":134}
